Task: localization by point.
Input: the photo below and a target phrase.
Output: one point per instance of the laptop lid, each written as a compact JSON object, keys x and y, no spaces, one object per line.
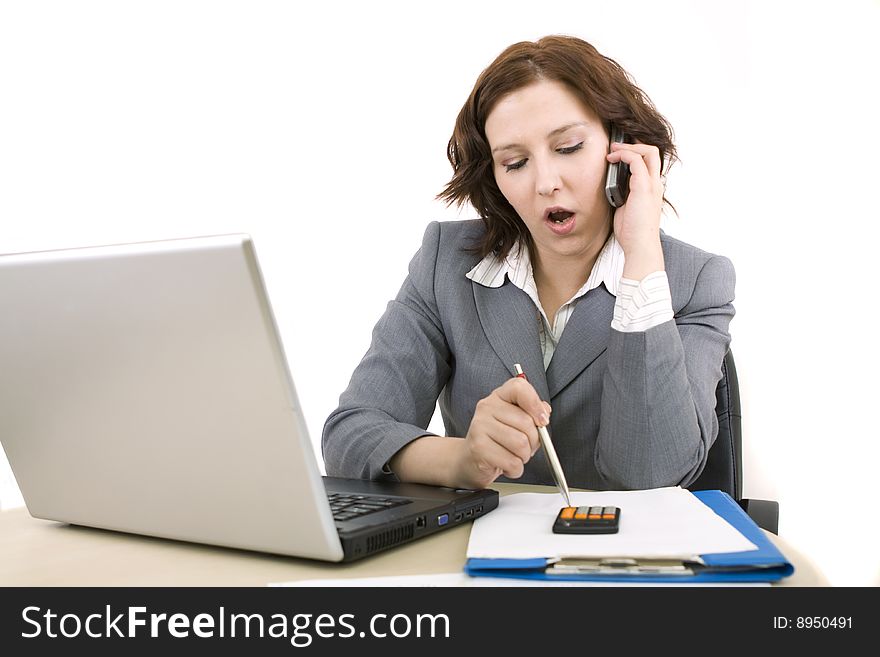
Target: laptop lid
{"x":143,"y":389}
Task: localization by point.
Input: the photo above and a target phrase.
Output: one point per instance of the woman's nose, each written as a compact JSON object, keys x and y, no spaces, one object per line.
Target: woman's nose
{"x":548,"y":180}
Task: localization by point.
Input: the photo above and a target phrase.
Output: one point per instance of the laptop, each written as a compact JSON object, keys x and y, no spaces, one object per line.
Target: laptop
{"x":144,"y":389}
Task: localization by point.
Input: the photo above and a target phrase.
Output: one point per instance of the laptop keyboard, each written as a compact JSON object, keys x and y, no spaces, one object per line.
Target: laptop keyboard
{"x":346,"y":507}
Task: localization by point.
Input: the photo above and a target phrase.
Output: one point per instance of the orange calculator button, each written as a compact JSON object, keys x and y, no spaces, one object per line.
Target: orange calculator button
{"x":567,"y":513}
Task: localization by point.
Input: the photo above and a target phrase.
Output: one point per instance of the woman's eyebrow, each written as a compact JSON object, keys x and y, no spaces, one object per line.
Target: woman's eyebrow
{"x":550,"y":134}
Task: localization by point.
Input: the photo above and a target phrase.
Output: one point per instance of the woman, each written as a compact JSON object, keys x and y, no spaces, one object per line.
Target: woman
{"x":621,"y":329}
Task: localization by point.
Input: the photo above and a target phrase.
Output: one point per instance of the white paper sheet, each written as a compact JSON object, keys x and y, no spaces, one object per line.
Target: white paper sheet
{"x":663,"y":523}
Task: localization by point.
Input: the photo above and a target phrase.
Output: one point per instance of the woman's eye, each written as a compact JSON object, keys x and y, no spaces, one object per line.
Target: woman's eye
{"x":570,"y":149}
{"x":566,"y":150}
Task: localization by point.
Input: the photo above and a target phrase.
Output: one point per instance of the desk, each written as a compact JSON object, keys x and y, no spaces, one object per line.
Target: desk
{"x":44,"y":553}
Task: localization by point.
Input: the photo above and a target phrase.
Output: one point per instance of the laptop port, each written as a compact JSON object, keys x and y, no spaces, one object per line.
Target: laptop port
{"x":480,"y":509}
{"x":421,"y":521}
{"x":442,"y":519}
{"x":458,"y":517}
{"x":469,"y":513}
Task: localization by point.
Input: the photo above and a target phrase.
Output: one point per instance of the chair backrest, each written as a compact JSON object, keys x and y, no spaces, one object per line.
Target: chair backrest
{"x":723,"y":469}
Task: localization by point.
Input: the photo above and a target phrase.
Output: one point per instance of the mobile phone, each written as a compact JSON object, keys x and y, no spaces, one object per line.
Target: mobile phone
{"x":617,"y":176}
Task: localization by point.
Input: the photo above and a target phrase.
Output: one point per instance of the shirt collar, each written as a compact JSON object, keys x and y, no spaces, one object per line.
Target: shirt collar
{"x":517,"y":266}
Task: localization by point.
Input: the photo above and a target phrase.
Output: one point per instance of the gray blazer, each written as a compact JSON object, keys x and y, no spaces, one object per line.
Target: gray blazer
{"x":630,"y":410}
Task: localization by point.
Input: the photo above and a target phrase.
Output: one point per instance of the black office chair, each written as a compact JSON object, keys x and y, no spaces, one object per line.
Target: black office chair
{"x":724,"y":466}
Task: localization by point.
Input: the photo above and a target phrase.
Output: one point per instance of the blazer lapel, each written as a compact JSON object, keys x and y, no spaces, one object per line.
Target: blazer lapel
{"x":584,"y":339}
{"x":510,"y":322}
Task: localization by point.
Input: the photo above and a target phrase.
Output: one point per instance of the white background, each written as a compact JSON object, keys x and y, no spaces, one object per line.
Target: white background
{"x":321,"y":129}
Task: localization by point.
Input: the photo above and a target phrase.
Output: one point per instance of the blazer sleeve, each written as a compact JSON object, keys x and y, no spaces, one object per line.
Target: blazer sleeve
{"x":658,"y":393}
{"x":393,"y":392}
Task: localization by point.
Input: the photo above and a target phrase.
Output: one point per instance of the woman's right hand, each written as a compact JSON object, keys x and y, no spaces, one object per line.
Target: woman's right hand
{"x":503,"y":434}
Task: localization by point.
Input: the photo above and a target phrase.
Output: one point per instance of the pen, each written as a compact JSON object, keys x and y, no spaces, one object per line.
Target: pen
{"x":555,"y":465}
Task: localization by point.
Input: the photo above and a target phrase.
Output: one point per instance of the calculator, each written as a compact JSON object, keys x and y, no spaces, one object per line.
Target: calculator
{"x":587,"y":520}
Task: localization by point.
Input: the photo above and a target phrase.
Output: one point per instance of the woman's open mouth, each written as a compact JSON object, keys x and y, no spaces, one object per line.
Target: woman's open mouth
{"x":559,"y":220}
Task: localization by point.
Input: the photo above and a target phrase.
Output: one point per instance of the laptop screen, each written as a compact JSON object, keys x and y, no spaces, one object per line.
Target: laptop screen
{"x":144,"y":389}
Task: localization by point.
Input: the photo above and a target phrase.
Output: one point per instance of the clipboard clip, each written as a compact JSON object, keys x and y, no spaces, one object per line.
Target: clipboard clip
{"x":622,"y":566}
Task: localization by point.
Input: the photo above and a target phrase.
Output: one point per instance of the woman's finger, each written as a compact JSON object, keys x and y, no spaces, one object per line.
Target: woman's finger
{"x":520,"y":392}
{"x":650,"y":154}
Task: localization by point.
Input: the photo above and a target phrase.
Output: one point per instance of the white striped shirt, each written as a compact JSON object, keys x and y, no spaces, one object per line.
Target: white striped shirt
{"x":640,"y":305}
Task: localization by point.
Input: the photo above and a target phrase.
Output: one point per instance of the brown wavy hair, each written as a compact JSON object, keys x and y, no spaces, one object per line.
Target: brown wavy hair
{"x":599,"y":82}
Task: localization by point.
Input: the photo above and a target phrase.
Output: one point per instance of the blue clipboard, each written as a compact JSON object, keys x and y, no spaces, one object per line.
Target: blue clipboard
{"x":766,"y":564}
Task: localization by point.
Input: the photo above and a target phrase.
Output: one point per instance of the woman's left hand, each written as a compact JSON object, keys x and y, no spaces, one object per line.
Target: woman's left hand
{"x":637,"y":222}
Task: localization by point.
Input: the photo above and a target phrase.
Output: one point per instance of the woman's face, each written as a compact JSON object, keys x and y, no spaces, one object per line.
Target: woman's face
{"x":548,"y":153}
